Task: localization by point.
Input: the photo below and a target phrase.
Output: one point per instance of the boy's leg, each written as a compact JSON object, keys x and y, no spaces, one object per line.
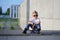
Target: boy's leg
{"x":27,"y":28}
{"x":38,"y":28}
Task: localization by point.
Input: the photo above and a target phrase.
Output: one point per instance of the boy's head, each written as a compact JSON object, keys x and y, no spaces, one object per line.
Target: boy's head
{"x":35,"y":14}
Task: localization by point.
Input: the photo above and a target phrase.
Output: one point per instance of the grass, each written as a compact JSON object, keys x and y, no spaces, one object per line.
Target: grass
{"x":12,"y":27}
{"x":13,"y":22}
{"x":8,"y":19}
{"x":2,"y":25}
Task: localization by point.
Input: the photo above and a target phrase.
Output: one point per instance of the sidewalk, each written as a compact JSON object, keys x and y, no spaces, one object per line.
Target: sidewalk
{"x":19,"y":33}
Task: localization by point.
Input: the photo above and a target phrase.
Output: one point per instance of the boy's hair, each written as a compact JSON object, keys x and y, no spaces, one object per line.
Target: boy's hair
{"x":35,"y":12}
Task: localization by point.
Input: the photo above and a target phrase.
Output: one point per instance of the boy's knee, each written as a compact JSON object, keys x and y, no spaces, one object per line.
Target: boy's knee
{"x":28,"y":25}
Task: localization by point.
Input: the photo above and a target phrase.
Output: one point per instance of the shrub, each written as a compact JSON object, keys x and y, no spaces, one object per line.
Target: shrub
{"x":12,"y":27}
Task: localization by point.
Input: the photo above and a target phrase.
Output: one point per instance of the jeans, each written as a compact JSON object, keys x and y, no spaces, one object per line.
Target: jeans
{"x":37,"y":26}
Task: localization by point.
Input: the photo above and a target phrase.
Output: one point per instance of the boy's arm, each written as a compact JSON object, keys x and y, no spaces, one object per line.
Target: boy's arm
{"x":33,"y":24}
{"x":29,"y":22}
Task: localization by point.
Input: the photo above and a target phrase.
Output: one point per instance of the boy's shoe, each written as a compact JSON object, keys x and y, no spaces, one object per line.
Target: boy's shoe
{"x":24,"y":32}
{"x":38,"y":31}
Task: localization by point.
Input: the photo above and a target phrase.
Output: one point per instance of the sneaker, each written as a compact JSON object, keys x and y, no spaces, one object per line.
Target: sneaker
{"x":24,"y":32}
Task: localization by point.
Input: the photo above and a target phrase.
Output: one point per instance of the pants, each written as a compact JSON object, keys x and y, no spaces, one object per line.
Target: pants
{"x":37,"y":26}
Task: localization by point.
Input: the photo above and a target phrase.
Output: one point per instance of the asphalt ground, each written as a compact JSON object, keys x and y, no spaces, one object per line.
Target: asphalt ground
{"x":19,"y":33}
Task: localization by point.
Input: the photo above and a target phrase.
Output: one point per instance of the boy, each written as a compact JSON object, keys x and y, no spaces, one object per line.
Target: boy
{"x":34,"y":22}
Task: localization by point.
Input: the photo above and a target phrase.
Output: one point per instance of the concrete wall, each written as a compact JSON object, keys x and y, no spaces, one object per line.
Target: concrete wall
{"x":48,"y":10}
{"x":23,"y":14}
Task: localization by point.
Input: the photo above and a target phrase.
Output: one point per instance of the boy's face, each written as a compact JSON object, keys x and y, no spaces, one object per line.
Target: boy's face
{"x":35,"y":15}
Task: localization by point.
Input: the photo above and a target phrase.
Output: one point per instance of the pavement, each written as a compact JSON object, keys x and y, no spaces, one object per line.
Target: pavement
{"x":29,"y":37}
{"x":17,"y":35}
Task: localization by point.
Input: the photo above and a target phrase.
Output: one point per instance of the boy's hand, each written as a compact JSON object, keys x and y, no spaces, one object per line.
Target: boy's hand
{"x":37,"y":22}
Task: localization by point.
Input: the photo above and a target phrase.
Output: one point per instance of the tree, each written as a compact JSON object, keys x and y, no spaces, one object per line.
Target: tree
{"x":0,"y":10}
{"x":8,"y":11}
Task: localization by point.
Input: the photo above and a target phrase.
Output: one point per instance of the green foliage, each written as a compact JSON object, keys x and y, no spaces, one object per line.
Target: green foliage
{"x":14,"y":23}
{"x":0,"y":10}
{"x":8,"y":11}
{"x":2,"y":26}
{"x":18,"y":21}
{"x":8,"y":19}
{"x":12,"y":27}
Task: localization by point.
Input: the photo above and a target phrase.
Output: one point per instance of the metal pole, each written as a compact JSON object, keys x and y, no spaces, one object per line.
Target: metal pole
{"x":28,"y":9}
